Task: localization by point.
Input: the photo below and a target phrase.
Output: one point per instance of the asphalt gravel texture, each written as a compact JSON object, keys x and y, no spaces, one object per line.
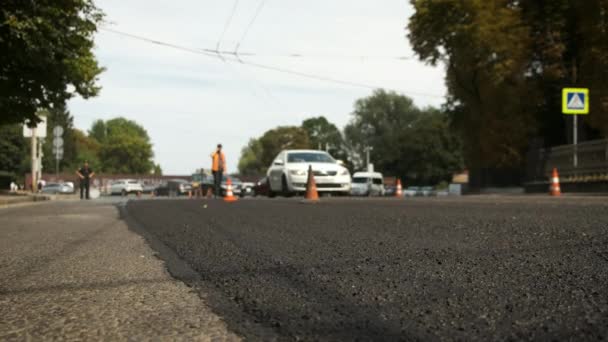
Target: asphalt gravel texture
{"x":483,"y":268}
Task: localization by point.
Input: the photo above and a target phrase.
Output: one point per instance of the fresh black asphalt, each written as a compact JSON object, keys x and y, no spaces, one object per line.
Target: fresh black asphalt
{"x":464,"y":269}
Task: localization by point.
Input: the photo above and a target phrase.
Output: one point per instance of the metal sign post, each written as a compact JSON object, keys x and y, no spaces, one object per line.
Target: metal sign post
{"x":575,"y":101}
{"x":57,"y":147}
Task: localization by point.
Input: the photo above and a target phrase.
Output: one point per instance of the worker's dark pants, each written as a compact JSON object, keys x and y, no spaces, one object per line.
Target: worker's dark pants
{"x":217,"y":182}
{"x":84,"y":189}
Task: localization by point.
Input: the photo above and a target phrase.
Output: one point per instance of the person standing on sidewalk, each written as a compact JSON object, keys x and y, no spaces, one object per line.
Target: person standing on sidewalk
{"x":218,"y":167}
{"x":85,"y":173}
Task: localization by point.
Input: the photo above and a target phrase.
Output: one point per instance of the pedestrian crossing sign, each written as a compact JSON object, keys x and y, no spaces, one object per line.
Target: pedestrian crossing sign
{"x":575,"y":101}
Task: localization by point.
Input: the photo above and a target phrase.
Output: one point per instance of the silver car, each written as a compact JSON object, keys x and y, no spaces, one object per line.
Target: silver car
{"x":57,"y":188}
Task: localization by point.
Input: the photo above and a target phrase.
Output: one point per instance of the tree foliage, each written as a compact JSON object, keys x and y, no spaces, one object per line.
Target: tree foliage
{"x":47,"y":55}
{"x":506,"y":64}
{"x":124,"y":146}
{"x":406,"y":141}
{"x":259,"y":153}
{"x":250,"y":162}
{"x":324,"y":135}
{"x":13,"y":149}
{"x":87,"y":149}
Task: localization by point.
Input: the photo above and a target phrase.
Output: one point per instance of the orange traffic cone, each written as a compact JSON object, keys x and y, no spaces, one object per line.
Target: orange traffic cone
{"x":556,"y":190}
{"x":229,"y":195}
{"x":312,"y":195}
{"x":399,"y":190}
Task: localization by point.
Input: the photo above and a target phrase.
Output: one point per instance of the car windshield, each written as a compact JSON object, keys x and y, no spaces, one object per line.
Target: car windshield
{"x":133,"y":182}
{"x":50,"y":185}
{"x":309,"y":157}
{"x":360,"y":180}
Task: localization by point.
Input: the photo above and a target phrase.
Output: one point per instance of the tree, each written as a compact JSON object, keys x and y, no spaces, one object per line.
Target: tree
{"x":158,"y":171}
{"x":13,"y":149}
{"x":282,"y":138}
{"x":98,"y":131}
{"x":484,"y":45}
{"x":47,"y":55}
{"x":126,"y":154}
{"x":506,"y":64}
{"x":323,"y":134}
{"x":250,"y":162}
{"x":259,"y":153}
{"x":406,"y":141}
{"x":87,"y":149}
{"x":125,"y":146}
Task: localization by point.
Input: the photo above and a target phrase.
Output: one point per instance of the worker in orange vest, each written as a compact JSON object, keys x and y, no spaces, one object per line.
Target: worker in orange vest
{"x":218,"y":167}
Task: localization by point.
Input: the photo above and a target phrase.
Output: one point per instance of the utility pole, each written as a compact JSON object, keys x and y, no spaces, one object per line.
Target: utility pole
{"x":39,"y":159}
{"x":368,"y":149}
{"x":34,"y":170}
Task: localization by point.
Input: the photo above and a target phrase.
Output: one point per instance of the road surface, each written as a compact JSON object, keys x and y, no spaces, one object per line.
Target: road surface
{"x":72,"y":270}
{"x":482,"y":268}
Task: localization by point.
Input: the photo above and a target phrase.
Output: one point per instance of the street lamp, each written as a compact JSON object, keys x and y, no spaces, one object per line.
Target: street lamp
{"x":368,"y":149}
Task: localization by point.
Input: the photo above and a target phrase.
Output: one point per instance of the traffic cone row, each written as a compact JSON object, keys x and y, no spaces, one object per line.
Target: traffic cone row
{"x":555,"y":189}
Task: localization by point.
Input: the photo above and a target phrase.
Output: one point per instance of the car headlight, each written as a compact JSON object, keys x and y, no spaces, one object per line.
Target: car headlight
{"x":344,"y":172}
{"x":298,"y":172}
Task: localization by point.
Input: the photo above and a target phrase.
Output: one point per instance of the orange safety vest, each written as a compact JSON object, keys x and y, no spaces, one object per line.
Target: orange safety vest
{"x":216,"y":161}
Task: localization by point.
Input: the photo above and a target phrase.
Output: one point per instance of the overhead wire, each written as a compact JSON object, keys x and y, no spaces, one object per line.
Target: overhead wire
{"x":251,"y":81}
{"x":214,"y":55}
{"x":226,"y":26}
{"x":249,"y":26}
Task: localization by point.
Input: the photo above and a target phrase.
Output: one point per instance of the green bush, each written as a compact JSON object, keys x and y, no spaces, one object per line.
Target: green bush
{"x":6,"y":178}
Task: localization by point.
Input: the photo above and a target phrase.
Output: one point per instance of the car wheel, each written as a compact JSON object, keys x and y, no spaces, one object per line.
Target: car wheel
{"x":284,"y":188}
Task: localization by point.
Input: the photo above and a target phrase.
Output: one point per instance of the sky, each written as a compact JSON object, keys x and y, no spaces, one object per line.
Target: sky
{"x":189,"y":101}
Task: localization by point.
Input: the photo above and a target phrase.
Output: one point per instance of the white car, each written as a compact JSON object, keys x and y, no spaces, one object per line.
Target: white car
{"x":126,"y":186}
{"x":368,"y":184}
{"x":288,"y":173}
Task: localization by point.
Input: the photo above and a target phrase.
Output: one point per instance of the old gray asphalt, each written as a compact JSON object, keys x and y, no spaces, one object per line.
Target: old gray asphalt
{"x":72,"y":270}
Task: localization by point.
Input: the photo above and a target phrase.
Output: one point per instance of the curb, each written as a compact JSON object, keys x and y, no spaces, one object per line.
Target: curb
{"x":4,"y":202}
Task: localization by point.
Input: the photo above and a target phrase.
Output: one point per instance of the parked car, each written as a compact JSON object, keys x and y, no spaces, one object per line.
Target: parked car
{"x":288,"y":173}
{"x":173,"y":188}
{"x":261,"y":188}
{"x":126,"y":186}
{"x":148,"y":188}
{"x":247,"y":189}
{"x":390,"y":190}
{"x":412,"y":191}
{"x":428,"y":191}
{"x":57,"y":188}
{"x":367,"y":184}
{"x":202,"y":181}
